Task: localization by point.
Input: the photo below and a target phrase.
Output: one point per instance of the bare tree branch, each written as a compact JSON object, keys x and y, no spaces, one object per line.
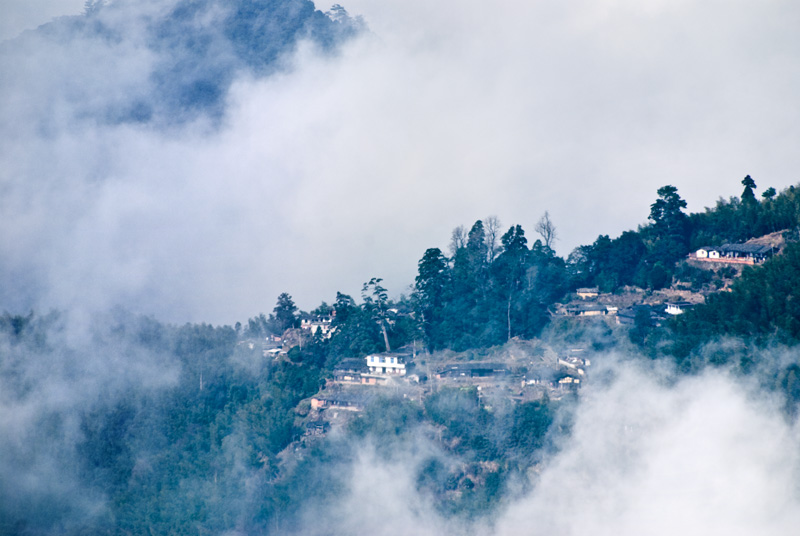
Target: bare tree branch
{"x":458,"y":239}
{"x":491,"y":226}
{"x":547,"y":230}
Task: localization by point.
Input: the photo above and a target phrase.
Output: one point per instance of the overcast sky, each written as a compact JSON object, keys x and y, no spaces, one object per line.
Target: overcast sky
{"x":349,"y":168}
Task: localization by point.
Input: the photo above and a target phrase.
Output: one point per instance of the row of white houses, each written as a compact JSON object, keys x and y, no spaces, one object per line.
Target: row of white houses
{"x":736,"y":253}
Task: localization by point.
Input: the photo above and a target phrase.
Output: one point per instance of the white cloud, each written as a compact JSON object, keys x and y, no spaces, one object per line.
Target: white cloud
{"x":702,"y":456}
{"x":349,"y":168}
{"x":647,"y":455}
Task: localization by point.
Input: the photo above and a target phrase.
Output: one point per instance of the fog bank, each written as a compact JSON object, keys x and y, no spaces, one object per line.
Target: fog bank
{"x":647,"y":454}
{"x":341,"y":168}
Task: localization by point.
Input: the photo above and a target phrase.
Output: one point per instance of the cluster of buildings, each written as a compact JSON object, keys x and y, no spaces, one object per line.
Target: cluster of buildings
{"x":748,"y":253}
{"x":375,"y":369}
{"x":323,"y":324}
{"x":590,"y":303}
{"x":754,"y":251}
{"x":357,"y":381}
{"x":279,"y":345}
{"x":655,"y":313}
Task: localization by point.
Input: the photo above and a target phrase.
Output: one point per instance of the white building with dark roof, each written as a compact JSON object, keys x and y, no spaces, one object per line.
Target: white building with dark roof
{"x":387,"y":363}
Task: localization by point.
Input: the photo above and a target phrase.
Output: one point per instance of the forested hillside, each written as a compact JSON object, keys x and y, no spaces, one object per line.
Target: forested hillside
{"x":648,"y":256}
{"x":143,"y":428}
{"x":120,"y":424}
{"x":487,"y":291}
{"x":230,"y":304}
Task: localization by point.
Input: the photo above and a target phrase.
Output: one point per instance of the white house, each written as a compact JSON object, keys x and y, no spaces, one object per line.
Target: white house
{"x":386,"y":364}
{"x":707,"y":253}
{"x":323,"y":324}
{"x":747,"y":253}
{"x":676,"y":308}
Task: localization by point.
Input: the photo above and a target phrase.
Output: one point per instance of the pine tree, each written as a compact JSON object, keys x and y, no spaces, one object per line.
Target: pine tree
{"x":748,"y":197}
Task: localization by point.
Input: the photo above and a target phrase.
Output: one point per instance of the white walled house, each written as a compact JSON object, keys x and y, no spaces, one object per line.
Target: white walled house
{"x":747,"y":253}
{"x":707,"y":253}
{"x":391,"y":364}
{"x":677,"y":308}
{"x":323,"y":324}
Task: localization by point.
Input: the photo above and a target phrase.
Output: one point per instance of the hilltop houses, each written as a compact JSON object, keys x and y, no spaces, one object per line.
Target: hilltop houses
{"x":323,"y":324}
{"x":518,"y":374}
{"x":374,"y":369}
{"x":748,"y":253}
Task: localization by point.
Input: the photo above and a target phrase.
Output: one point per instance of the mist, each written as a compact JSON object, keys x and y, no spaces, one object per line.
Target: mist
{"x":647,"y":453}
{"x":52,"y":385}
{"x":118,"y":422}
{"x":704,"y":455}
{"x":338,"y":168}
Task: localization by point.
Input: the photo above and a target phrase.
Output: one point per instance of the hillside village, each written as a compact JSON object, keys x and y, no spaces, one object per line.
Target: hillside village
{"x":176,"y":171}
{"x":725,"y":262}
{"x":508,"y":332}
{"x":487,"y":359}
{"x":521,"y":370}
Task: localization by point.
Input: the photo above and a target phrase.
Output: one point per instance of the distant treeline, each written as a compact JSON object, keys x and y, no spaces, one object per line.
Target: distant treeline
{"x":648,"y":256}
{"x":493,"y":287}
